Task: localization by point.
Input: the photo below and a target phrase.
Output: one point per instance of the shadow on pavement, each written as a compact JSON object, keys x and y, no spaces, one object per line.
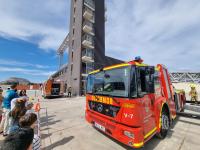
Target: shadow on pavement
{"x":48,"y":120}
{"x":44,"y":136}
{"x":45,"y":129}
{"x":45,"y":119}
{"x":59,"y":143}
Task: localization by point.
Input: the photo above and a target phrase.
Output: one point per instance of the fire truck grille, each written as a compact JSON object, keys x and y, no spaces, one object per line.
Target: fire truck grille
{"x":105,"y":109}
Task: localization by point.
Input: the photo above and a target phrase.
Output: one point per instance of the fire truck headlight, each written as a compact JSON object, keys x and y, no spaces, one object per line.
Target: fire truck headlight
{"x":129,"y":134}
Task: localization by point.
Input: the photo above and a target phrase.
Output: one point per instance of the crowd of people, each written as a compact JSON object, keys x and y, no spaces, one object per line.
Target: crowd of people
{"x":17,"y":121}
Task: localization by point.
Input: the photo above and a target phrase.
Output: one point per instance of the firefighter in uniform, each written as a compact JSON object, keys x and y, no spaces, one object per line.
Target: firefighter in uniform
{"x":70,"y":92}
{"x":193,"y":93}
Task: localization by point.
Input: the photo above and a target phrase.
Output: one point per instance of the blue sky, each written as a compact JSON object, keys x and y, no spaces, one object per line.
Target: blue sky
{"x":160,"y":31}
{"x":30,"y":33}
{"x":23,"y":59}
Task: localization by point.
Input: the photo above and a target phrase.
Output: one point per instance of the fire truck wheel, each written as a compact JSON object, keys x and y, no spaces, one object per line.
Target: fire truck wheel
{"x":165,"y":125}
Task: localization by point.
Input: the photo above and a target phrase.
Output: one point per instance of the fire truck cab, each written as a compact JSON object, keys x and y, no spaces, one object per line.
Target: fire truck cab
{"x":131,"y":102}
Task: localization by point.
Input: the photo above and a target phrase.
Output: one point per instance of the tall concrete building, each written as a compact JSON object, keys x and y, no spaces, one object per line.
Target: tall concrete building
{"x":86,"y":42}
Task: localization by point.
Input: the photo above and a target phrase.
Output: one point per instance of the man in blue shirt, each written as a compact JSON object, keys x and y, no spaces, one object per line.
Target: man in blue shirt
{"x":10,"y":94}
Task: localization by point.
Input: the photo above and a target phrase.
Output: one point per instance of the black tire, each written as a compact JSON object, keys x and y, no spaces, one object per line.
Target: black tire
{"x":165,"y":125}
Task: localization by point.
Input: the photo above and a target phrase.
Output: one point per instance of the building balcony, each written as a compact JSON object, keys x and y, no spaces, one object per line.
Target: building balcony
{"x":90,"y":4}
{"x":84,"y":74}
{"x":88,"y":14}
{"x":88,"y":41}
{"x":88,"y":28}
{"x":88,"y":56}
{"x":87,"y":67}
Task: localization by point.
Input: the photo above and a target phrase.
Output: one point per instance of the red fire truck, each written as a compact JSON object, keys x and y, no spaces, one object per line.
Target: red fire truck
{"x":131,"y":102}
{"x":53,"y":88}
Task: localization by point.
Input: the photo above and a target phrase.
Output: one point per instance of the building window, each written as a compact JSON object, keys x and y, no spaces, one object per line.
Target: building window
{"x":72,"y":55}
{"x":73,"y":31}
{"x":72,"y":43}
{"x":71,"y":68}
{"x":74,"y":19}
{"x":74,"y":10}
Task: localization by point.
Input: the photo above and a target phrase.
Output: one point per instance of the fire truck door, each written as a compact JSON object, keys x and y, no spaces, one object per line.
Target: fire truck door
{"x":148,"y":113}
{"x":145,"y":81}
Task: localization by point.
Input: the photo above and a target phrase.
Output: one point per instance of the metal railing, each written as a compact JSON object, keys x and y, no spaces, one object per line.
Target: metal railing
{"x":89,"y":11}
{"x":88,"y":53}
{"x":89,"y":24}
{"x":90,"y":4}
{"x":89,"y":38}
{"x":88,"y":27}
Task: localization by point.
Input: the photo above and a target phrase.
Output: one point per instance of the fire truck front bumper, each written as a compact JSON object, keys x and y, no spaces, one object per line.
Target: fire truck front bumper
{"x":130,"y":136}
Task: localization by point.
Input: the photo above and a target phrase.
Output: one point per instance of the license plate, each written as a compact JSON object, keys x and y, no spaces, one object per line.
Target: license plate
{"x":102,"y":128}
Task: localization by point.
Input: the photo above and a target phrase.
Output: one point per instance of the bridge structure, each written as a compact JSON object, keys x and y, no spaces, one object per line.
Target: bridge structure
{"x":191,"y":77}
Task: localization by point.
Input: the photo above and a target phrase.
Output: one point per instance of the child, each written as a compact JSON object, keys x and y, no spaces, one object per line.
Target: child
{"x":29,"y":121}
{"x":16,"y":113}
{"x":15,"y":100}
{"x":21,"y":140}
{"x":29,"y":107}
{"x":28,"y":104}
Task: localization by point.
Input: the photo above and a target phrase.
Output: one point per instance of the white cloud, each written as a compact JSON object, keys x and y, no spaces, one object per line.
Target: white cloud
{"x":42,"y":22}
{"x":160,"y":31}
{"x":33,"y":72}
{"x":21,"y":64}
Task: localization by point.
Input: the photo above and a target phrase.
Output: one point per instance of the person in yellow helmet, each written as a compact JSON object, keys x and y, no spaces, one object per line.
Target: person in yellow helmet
{"x":193,"y":93}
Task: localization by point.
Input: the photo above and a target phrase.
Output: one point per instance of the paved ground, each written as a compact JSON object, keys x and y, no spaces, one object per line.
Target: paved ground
{"x":64,"y":128}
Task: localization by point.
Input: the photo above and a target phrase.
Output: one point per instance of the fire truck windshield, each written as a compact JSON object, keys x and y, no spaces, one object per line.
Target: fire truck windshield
{"x":115,"y":82}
